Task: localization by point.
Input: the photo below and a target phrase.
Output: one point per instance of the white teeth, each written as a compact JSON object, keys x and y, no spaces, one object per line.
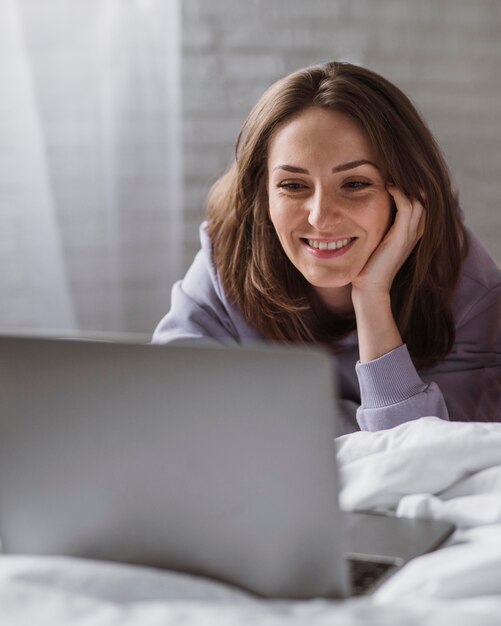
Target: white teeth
{"x":328,"y":245}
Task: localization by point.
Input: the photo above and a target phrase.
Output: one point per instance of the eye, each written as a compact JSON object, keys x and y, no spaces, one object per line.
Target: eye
{"x":356,"y":185}
{"x":291,"y":185}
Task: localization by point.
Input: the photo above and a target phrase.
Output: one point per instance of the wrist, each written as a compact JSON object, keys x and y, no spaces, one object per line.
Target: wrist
{"x":377,"y":330}
{"x":378,"y":296}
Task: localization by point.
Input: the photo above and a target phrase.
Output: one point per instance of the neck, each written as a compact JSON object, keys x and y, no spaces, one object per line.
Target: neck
{"x":337,"y":300}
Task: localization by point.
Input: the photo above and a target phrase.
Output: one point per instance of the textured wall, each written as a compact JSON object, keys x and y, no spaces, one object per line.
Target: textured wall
{"x":445,"y":54}
{"x":87,"y":148}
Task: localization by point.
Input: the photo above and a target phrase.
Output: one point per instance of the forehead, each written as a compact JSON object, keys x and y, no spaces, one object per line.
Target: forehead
{"x":322,"y":133}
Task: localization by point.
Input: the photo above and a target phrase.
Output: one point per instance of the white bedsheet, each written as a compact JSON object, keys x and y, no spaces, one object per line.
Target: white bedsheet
{"x":427,"y":468}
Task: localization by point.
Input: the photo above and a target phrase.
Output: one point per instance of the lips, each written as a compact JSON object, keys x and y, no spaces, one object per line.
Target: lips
{"x":328,"y":248}
{"x":337,"y":244}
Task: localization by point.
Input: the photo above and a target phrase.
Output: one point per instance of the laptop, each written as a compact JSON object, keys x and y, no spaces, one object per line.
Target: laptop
{"x":213,"y":461}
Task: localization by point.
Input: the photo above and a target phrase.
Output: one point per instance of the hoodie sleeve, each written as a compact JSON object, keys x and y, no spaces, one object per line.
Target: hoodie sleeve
{"x":196,"y":311}
{"x":466,"y":386}
{"x":392,"y":392}
{"x":199,"y":308}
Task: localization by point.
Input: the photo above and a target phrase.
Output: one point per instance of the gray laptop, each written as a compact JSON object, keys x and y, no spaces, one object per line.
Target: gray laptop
{"x":209,"y":460}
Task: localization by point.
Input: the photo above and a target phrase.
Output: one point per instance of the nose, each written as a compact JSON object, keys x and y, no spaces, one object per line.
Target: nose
{"x":324,"y":211}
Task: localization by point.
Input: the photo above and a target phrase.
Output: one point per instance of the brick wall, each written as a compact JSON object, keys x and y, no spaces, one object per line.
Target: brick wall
{"x":445,"y":54}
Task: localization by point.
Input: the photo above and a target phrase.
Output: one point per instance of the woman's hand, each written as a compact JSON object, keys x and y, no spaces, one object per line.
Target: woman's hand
{"x":396,"y":246}
{"x":377,"y":330}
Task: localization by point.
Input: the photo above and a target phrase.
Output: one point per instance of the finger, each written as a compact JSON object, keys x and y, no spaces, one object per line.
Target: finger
{"x":421,"y":223}
{"x":412,"y":206}
{"x":401,"y":200}
{"x":408,"y":213}
{"x":410,"y":217}
{"x":416,"y":219}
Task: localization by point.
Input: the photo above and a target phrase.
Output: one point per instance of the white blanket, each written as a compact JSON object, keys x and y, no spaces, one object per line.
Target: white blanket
{"x":427,"y":468}
{"x":432,"y":468}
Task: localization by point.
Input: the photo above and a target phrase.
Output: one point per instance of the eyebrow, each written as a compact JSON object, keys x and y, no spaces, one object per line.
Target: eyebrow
{"x":352,"y":164}
{"x":339,"y":168}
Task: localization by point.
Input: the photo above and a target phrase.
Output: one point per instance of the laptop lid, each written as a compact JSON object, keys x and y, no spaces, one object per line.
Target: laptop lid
{"x":213,"y":461}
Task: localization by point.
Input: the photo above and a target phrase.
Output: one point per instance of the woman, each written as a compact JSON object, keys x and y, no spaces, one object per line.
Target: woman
{"x":337,"y":224}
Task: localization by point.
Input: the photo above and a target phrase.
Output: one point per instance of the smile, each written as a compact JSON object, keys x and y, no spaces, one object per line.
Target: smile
{"x":329,"y":245}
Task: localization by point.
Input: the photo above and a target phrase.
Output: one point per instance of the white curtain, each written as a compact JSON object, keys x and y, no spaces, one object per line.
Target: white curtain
{"x":91,"y":163}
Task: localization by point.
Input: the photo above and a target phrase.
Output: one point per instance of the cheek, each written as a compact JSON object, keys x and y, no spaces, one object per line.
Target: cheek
{"x":282,"y":215}
{"x":382,"y":219}
{"x":278,"y":219}
{"x":275,"y":219}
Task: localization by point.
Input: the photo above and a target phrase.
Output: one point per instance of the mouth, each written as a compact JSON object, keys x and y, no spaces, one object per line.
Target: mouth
{"x":330,"y":245}
{"x":326,"y":249}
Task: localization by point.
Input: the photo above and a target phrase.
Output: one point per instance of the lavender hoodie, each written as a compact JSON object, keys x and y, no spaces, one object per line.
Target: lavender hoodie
{"x":379,"y":394}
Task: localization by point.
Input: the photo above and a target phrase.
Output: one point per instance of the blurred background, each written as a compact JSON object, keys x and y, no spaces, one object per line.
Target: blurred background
{"x":116,"y":116}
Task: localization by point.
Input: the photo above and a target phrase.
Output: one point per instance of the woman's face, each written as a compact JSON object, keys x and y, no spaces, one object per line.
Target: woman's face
{"x":327,"y":199}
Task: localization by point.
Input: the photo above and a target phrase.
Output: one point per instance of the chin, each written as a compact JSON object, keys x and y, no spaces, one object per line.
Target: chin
{"x":339,"y":282}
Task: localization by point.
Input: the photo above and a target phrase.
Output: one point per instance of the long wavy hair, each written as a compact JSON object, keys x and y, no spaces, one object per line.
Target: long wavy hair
{"x":254,"y":270}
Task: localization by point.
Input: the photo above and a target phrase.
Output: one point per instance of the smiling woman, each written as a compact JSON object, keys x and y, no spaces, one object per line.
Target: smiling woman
{"x":334,"y":211}
{"x":337,"y":224}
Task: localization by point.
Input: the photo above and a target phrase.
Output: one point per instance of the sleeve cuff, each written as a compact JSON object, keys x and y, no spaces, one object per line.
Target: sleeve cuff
{"x":388,"y":380}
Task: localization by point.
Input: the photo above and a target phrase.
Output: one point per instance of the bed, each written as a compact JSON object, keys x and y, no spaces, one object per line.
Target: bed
{"x":425,"y":468}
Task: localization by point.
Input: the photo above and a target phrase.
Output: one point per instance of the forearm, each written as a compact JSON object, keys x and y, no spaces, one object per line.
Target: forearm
{"x":377,"y":330}
{"x":391,"y":390}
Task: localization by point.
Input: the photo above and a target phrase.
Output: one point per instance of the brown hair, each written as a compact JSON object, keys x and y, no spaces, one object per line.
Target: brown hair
{"x":256,"y":274}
